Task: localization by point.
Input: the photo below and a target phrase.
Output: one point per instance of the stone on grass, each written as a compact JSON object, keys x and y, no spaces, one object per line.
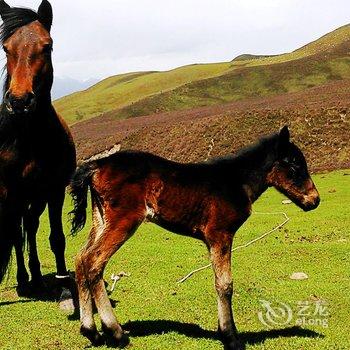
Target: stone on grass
{"x":299,"y":276}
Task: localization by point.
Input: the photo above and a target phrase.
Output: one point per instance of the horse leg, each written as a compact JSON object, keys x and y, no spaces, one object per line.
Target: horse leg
{"x":88,"y":326}
{"x":220,"y":253}
{"x":31,"y":224}
{"x":58,"y":246}
{"x":22,"y":274}
{"x":95,"y":261}
{"x":57,"y":239}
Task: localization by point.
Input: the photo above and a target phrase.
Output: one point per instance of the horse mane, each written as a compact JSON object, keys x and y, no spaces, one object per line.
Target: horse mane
{"x":253,"y":152}
{"x":13,"y":19}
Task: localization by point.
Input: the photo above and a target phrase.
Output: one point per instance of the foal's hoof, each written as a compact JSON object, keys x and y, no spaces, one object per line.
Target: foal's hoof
{"x":234,"y":344}
{"x":115,"y":337}
{"x":95,"y":337}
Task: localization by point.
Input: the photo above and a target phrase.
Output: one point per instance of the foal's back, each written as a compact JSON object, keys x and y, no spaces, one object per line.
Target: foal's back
{"x":183,"y":198}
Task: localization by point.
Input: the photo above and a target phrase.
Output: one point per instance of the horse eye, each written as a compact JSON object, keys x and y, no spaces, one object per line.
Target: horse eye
{"x":5,"y":49}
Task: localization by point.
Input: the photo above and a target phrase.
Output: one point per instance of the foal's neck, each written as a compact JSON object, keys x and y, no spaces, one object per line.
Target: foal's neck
{"x":256,"y":167}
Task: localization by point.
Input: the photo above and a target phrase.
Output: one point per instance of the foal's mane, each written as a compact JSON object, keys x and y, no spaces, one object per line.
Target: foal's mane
{"x":265,"y":146}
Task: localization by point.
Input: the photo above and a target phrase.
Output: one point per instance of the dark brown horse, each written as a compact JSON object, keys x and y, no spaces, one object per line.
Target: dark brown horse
{"x":208,"y":201}
{"x":37,"y":153}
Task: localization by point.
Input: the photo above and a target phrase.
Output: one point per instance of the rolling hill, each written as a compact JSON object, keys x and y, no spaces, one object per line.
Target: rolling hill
{"x":135,"y":94}
{"x":319,"y":118}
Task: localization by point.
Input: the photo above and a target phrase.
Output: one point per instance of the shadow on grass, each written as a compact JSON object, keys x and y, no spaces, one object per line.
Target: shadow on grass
{"x":6,"y":303}
{"x":158,"y":327}
{"x":289,"y":332}
{"x":49,"y":290}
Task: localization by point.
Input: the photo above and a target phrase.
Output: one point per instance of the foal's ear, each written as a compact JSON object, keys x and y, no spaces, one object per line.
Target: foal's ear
{"x":45,"y":14}
{"x":283,"y":140}
{"x":4,"y":7}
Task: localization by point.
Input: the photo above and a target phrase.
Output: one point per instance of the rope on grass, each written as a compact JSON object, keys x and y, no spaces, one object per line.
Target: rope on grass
{"x":286,"y":219}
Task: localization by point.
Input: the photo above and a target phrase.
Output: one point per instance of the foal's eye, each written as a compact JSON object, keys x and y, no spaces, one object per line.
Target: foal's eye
{"x":5,"y":49}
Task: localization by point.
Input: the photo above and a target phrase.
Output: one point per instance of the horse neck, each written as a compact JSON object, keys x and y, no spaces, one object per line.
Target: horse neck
{"x":254,"y":171}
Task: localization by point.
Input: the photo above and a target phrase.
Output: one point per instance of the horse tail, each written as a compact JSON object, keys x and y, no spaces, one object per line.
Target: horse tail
{"x":79,"y":187}
{"x":6,"y":246}
{"x":7,"y":241}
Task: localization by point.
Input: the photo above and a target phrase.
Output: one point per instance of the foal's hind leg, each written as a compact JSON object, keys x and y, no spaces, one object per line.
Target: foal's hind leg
{"x":220,"y":253}
{"x":88,"y":326}
{"x":96,"y":259}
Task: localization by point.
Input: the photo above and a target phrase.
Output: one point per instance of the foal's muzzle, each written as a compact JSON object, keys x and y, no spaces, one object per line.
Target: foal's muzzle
{"x":311,"y":201}
{"x":19,"y":105}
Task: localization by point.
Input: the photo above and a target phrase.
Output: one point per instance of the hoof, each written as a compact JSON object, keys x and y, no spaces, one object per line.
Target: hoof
{"x":115,"y":337}
{"x":234,"y":344}
{"x":231,"y":340}
{"x":66,"y":302}
{"x":67,"y":305}
{"x":38,"y":286}
{"x":24,"y":290}
{"x":95,"y":337}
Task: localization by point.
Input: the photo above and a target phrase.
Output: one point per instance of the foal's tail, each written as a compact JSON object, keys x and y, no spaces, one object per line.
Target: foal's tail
{"x":80,"y":184}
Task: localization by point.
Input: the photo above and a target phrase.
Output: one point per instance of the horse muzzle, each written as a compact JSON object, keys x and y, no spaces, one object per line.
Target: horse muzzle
{"x":19,"y":105}
{"x":311,"y":201}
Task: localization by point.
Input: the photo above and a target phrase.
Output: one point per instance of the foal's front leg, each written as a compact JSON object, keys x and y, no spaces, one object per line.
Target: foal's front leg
{"x":220,"y":253}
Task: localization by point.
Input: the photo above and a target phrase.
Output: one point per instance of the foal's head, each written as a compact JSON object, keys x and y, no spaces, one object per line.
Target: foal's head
{"x":290,"y":175}
{"x":26,"y":40}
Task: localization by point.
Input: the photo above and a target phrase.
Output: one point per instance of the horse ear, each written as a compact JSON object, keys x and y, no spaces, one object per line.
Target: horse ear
{"x":4,"y":7}
{"x":283,"y":140}
{"x":45,"y":14}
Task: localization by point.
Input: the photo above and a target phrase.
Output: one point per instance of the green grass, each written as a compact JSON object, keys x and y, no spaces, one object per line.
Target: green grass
{"x":118,"y":92}
{"x":316,"y":243}
{"x":141,"y":93}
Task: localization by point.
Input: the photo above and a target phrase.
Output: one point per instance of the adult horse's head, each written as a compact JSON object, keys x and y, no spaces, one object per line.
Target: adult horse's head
{"x":26,"y":40}
{"x":290,"y":175}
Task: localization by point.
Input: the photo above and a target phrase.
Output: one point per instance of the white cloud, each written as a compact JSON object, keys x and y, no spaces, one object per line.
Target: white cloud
{"x":106,"y":37}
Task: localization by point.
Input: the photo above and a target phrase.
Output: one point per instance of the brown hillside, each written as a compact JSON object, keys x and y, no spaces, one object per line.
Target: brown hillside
{"x":319,"y":118}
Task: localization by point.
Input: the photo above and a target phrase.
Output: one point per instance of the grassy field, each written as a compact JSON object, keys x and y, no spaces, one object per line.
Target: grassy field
{"x":161,"y":314}
{"x":143,"y":93}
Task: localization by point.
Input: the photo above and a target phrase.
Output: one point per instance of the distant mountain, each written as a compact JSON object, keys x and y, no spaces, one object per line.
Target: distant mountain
{"x":248,"y":76}
{"x":66,"y":86}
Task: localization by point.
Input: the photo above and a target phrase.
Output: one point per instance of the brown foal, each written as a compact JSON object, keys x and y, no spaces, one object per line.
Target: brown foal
{"x":208,"y":201}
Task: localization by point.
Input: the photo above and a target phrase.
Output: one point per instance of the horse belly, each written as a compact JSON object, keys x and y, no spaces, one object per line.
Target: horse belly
{"x":180,"y":210}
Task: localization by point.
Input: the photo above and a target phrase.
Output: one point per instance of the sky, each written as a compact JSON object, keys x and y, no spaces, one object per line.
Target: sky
{"x":97,"y":39}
